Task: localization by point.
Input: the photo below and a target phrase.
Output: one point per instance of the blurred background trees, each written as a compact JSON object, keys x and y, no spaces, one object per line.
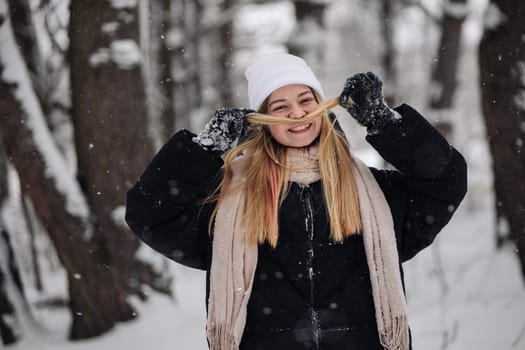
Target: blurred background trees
{"x":502,"y":83}
{"x":90,"y":89}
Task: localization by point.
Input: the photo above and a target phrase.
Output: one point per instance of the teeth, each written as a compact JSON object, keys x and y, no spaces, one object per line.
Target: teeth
{"x":300,"y":127}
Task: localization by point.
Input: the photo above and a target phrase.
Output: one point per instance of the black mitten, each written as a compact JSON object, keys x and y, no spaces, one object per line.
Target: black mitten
{"x":226,"y":126}
{"x":363,"y":98}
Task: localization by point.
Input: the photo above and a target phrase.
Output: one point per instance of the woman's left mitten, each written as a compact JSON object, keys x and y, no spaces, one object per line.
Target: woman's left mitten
{"x":362,"y":97}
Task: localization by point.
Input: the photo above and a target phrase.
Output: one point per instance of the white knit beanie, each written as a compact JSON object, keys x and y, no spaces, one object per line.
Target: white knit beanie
{"x":274,"y":70}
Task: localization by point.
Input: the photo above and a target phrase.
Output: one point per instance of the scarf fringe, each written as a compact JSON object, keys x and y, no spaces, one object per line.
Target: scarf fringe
{"x":396,"y":337}
{"x":220,"y":337}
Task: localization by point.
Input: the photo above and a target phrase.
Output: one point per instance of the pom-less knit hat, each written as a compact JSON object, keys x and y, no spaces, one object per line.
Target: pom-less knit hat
{"x":274,"y":70}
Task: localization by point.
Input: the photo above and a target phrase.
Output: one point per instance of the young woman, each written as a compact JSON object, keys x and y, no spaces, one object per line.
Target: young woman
{"x":302,"y":243}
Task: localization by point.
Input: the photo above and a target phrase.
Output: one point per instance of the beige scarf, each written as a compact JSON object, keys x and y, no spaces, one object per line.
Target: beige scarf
{"x":234,"y":261}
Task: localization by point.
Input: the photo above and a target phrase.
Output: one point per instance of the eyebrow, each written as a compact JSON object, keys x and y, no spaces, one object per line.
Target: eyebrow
{"x":284,"y":100}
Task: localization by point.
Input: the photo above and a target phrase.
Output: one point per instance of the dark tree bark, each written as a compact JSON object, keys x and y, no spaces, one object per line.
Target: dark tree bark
{"x":46,"y":71}
{"x":111,"y":134}
{"x":444,"y":73}
{"x":225,"y":58}
{"x":32,"y":242}
{"x":8,"y":334}
{"x":91,"y":312}
{"x":161,"y":81}
{"x":186,"y":69}
{"x":387,"y":14}
{"x":95,"y":249}
{"x":445,"y":64}
{"x":502,"y":84}
{"x":8,"y":268}
{"x":25,"y":36}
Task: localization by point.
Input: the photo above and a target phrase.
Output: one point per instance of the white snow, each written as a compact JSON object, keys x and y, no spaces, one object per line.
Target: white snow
{"x":463,"y":293}
{"x":57,"y":169}
{"x":455,"y":9}
{"x":519,"y":100}
{"x":175,"y":37}
{"x":117,"y":215}
{"x":272,"y":22}
{"x":123,"y":4}
{"x":124,"y":53}
{"x":411,"y":21}
{"x":493,"y":16}
{"x":99,"y":57}
{"x":110,"y":27}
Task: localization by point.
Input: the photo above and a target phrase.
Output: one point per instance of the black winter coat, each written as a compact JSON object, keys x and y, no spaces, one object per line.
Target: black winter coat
{"x":308,"y":292}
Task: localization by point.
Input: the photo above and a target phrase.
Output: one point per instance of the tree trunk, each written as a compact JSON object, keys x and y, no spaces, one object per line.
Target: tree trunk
{"x":502,"y":83}
{"x":95,"y":250}
{"x":444,"y":73}
{"x":21,"y":17}
{"x":186,"y":60}
{"x":30,"y":219}
{"x":111,"y":134}
{"x":444,"y":70}
{"x":26,"y":38}
{"x":161,"y":81}
{"x":387,"y":14}
{"x":93,"y":308}
{"x":225,"y":58}
{"x":9,"y":272}
{"x":9,"y":332}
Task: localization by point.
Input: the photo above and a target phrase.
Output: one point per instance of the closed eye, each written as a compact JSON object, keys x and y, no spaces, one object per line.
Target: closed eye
{"x":307,"y":100}
{"x":279,"y":108}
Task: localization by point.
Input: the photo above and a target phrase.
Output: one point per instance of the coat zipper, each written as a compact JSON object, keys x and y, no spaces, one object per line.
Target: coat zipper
{"x":309,"y":224}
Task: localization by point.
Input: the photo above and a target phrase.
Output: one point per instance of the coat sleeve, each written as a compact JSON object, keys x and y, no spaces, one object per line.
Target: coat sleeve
{"x":428,"y":184}
{"x":164,"y":208}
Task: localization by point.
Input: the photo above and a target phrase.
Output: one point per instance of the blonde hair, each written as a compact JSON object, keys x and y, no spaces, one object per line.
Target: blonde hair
{"x":267,"y":174}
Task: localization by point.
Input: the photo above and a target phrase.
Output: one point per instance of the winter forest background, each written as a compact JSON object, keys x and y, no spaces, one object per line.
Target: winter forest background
{"x":90,"y":89}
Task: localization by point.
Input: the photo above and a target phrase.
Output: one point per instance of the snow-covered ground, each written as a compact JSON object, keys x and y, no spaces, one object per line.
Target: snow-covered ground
{"x":462,"y":294}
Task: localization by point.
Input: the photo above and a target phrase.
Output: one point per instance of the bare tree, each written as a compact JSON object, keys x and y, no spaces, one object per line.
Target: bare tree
{"x":388,"y":13}
{"x":444,"y":73}
{"x":10,"y":281}
{"x":502,"y":84}
{"x":9,"y":330}
{"x":111,"y":134}
{"x":160,"y":72}
{"x":185,"y":42}
{"x":445,"y":64}
{"x":67,"y":231}
{"x":20,"y":14}
{"x":85,"y":223}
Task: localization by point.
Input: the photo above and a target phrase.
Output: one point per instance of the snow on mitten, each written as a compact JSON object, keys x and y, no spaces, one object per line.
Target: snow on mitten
{"x":226,"y":125}
{"x":367,"y":103}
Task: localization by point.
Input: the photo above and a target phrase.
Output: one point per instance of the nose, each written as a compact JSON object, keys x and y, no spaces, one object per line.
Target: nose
{"x":296,"y":112}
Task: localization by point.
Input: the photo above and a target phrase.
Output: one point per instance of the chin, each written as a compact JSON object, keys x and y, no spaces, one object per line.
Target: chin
{"x":301,"y":144}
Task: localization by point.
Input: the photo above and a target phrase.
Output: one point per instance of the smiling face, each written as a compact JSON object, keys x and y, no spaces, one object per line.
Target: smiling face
{"x":294,"y":101}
